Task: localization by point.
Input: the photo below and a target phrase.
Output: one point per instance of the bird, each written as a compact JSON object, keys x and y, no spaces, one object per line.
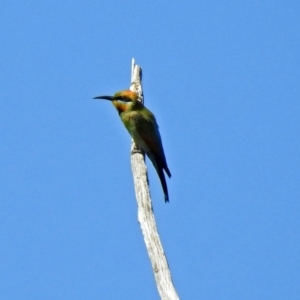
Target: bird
{"x":142,"y":126}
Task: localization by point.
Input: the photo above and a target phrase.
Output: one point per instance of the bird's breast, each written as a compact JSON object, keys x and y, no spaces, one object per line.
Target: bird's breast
{"x":120,"y":106}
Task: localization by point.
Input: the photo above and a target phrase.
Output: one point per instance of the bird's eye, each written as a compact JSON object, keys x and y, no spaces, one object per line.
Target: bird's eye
{"x":124,"y":99}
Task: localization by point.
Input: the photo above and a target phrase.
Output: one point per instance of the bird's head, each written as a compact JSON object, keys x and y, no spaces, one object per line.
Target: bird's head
{"x":123,"y":101}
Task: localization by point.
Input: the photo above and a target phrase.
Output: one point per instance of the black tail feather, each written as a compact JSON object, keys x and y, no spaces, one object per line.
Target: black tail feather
{"x":160,"y":166}
{"x":162,"y":178}
{"x":167,"y":171}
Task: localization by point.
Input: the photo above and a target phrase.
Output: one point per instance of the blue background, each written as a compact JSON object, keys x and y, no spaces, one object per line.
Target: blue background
{"x":223,"y":81}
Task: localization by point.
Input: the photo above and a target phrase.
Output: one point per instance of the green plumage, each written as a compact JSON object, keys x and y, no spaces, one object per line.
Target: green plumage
{"x":142,"y":126}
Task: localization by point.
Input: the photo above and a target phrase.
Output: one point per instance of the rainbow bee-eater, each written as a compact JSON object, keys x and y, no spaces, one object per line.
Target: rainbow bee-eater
{"x":141,"y":124}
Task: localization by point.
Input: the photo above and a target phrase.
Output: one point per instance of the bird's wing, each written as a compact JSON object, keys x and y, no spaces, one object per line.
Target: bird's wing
{"x":147,"y":129}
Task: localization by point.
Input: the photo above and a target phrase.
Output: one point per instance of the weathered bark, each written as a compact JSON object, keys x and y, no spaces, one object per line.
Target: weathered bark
{"x":145,"y":213}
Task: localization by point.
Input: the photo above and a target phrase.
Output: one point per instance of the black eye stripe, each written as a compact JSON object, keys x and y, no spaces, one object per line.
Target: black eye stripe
{"x":123,"y":98}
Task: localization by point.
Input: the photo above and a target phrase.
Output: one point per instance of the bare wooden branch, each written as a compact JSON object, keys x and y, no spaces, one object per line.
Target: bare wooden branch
{"x":145,"y":213}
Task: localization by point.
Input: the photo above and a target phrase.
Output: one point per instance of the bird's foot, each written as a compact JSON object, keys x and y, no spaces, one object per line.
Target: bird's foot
{"x":135,"y":150}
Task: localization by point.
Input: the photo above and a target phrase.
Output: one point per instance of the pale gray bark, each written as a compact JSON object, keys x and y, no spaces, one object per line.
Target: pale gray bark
{"x":145,"y":213}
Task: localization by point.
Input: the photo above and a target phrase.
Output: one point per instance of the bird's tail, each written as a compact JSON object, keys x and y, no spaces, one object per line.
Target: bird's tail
{"x":167,"y":170}
{"x":162,"y":178}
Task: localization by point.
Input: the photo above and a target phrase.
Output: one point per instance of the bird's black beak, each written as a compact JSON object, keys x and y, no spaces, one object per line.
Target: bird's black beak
{"x":110,"y":98}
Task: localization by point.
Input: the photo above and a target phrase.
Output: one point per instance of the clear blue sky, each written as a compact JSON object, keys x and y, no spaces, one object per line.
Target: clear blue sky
{"x":223,"y":79}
